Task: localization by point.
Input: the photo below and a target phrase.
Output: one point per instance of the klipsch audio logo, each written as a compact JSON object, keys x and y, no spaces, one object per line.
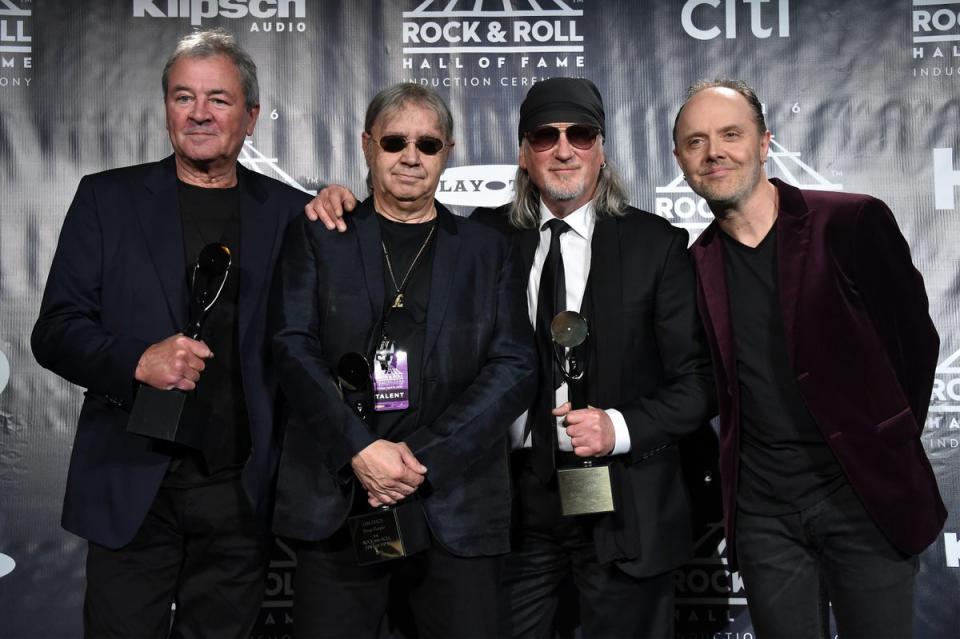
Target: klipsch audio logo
{"x":709,"y":19}
{"x":268,"y":16}
{"x":680,"y":205}
{"x":16,"y":44}
{"x":936,"y":38}
{"x":472,"y":43}
{"x":946,"y":179}
{"x":942,"y":429}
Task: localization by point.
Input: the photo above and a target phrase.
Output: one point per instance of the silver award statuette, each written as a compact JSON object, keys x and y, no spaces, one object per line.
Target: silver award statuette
{"x":585,"y":488}
{"x":160,"y":413}
{"x":389,"y":532}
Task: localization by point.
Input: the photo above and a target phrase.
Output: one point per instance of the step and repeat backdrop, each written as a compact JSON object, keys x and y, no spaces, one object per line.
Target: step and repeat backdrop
{"x":861,"y":96}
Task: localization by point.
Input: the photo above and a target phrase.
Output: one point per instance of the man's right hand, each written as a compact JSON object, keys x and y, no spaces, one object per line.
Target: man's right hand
{"x":389,"y":471}
{"x":176,"y":362}
{"x":329,"y":206}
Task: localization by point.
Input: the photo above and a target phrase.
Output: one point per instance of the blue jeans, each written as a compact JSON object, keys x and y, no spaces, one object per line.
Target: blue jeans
{"x":793,"y":566}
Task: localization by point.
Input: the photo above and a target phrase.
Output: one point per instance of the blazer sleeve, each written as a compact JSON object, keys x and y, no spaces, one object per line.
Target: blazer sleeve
{"x":896,"y":301}
{"x":480,"y":416}
{"x":69,"y":337}
{"x":685,"y":397}
{"x":303,"y":372}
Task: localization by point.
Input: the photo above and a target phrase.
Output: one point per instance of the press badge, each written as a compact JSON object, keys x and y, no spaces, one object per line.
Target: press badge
{"x":391,"y":378}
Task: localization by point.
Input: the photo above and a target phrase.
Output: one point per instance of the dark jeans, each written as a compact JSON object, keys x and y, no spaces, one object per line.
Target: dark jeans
{"x":550,"y":549}
{"x":199,"y":547}
{"x":793,"y":565}
{"x":448,"y":596}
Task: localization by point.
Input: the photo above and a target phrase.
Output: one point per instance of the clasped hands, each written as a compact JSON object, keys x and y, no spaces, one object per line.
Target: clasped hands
{"x":388,"y":471}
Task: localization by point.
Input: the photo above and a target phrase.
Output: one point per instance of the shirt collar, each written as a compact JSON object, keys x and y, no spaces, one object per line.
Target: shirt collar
{"x":581,"y":221}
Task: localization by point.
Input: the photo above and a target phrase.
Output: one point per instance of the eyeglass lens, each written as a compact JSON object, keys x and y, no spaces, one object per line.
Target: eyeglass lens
{"x":580,"y":136}
{"x":397,"y":143}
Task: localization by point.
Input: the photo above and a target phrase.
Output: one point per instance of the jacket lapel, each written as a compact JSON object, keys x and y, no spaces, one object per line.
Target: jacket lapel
{"x":371,"y":254}
{"x":446,"y":254}
{"x":259,"y":224}
{"x":793,"y":242}
{"x":158,"y":211}
{"x":708,"y":256}
{"x":605,"y":289}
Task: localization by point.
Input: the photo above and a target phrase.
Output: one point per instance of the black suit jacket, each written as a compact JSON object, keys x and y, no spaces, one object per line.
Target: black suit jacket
{"x":649,"y":361}
{"x":117,"y":285}
{"x":478,"y":371}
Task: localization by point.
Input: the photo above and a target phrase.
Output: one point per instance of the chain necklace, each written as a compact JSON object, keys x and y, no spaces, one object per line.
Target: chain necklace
{"x":398,"y":297}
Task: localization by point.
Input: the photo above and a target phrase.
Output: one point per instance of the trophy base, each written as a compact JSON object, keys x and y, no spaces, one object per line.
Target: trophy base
{"x":391,"y":532}
{"x":160,"y":414}
{"x":585,"y":490}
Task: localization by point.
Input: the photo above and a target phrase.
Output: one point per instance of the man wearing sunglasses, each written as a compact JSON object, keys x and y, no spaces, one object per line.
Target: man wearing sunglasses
{"x":824,"y":355}
{"x":648,"y":379}
{"x":435,"y":305}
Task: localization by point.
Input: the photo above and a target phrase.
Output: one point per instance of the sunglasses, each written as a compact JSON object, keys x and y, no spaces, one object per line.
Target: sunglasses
{"x":397,"y":143}
{"x":579,"y":136}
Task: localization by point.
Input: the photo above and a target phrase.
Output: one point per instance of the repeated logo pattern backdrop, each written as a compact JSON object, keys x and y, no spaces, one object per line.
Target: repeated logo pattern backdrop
{"x":861,"y":96}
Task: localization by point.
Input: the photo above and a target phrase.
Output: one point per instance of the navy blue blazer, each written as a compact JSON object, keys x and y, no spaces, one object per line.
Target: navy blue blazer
{"x":478,"y":370}
{"x":117,"y":285}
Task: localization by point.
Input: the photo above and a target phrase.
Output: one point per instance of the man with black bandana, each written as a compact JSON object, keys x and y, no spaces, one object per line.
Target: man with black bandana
{"x":165,"y":522}
{"x":648,"y":379}
{"x":434,"y":304}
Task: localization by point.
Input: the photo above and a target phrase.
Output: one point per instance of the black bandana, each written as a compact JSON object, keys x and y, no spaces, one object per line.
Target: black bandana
{"x":573,"y":100}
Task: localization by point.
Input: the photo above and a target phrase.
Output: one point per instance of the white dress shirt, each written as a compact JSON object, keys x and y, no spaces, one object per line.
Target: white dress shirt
{"x":575,"y":252}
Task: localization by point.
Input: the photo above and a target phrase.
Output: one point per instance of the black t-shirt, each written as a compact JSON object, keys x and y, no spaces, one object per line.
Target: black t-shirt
{"x":217,"y":405}
{"x":785,"y":463}
{"x":406,"y":326}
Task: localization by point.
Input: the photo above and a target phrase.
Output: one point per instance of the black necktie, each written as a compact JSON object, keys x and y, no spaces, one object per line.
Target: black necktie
{"x":551,"y":299}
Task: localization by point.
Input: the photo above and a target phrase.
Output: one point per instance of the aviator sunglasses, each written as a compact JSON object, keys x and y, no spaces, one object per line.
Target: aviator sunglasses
{"x":579,"y":136}
{"x":397,"y":143}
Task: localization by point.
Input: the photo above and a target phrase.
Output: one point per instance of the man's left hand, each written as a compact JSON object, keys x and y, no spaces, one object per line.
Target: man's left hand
{"x":590,"y":429}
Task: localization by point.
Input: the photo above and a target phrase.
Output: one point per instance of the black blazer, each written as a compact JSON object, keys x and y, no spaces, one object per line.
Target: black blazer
{"x":478,"y":371}
{"x":647,"y":359}
{"x":117,"y":285}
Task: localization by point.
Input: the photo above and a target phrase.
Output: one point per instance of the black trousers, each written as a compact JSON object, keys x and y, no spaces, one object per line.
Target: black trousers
{"x":447,"y":596}
{"x":200,"y":548}
{"x":549,"y":551}
{"x":794,"y":565}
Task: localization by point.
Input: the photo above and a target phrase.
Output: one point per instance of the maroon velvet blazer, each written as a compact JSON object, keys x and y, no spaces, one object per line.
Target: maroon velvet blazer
{"x":861,"y":345}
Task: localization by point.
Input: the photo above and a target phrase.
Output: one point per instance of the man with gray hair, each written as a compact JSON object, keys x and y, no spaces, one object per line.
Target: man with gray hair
{"x":647,"y":377}
{"x":168,"y":522}
{"x":434,"y":304}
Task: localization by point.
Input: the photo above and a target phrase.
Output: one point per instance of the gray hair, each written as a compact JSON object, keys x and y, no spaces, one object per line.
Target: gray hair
{"x":609,"y":198}
{"x":397,"y":96}
{"x":739,"y":86}
{"x":214,"y":42}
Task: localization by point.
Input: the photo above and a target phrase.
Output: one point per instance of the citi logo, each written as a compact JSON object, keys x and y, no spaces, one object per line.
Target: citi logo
{"x":945,"y":179}
{"x":198,"y":10}
{"x":488,"y":185}
{"x":709,"y":19}
{"x":7,"y":564}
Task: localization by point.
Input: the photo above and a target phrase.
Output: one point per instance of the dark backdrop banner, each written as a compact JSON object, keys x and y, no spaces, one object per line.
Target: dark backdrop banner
{"x":861,"y":96}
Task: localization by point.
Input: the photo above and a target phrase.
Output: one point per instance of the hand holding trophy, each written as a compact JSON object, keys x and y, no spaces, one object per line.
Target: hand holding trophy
{"x":587,"y":488}
{"x":159,"y":413}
